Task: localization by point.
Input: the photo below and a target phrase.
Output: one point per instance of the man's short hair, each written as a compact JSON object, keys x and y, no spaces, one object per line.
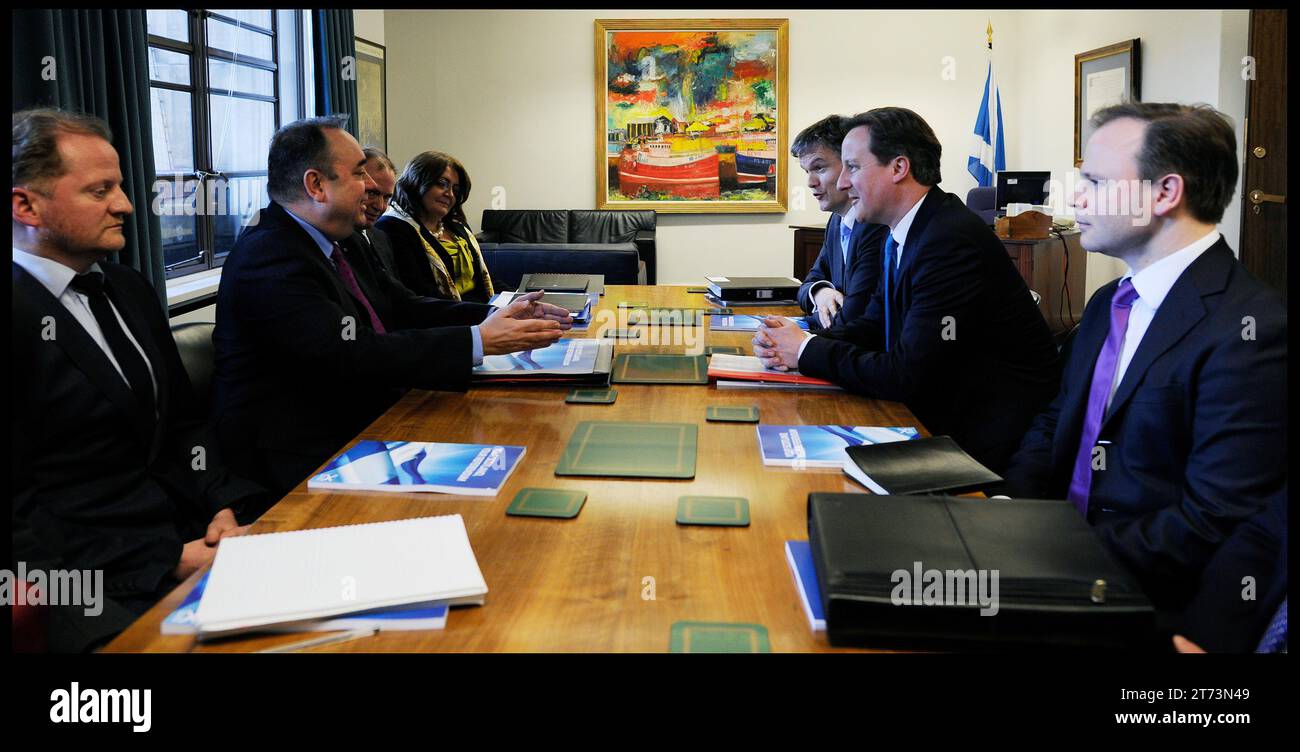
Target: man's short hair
{"x":296,"y":148}
{"x":828,"y":132}
{"x":36,"y":141}
{"x":377,"y":154}
{"x":1196,"y":142}
{"x":899,"y":132}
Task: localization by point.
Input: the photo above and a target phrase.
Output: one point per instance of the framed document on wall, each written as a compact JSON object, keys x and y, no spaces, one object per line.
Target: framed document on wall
{"x":372,"y":122}
{"x":691,"y":114}
{"x":1103,"y":77}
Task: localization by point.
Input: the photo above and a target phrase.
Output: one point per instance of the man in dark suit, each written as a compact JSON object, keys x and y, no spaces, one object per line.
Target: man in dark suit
{"x":1170,"y":427}
{"x":951,"y":330}
{"x":305,"y":357}
{"x":113,"y":466}
{"x":844,"y":276}
{"x":383,"y":173}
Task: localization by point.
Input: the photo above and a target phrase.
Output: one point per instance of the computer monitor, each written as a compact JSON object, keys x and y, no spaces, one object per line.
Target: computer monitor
{"x":1021,"y":188}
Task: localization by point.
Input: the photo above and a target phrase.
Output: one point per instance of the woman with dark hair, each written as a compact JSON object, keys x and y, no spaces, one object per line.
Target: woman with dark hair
{"x":434,"y":251}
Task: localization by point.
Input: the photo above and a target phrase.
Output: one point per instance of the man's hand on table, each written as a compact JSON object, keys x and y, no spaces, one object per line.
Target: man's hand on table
{"x":777,"y":342}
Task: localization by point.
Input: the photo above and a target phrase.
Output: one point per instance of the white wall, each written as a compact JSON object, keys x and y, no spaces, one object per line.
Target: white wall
{"x":369,"y":25}
{"x":511,"y":93}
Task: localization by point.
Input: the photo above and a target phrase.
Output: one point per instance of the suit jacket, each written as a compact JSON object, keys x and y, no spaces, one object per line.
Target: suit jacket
{"x":1196,"y":429}
{"x":412,"y":262}
{"x":857,"y":280}
{"x":1219,"y":618}
{"x":97,"y":483}
{"x":299,"y":369}
{"x":970,"y":355}
{"x":383,"y":251}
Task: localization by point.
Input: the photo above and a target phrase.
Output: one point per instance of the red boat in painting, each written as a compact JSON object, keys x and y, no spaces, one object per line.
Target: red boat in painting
{"x":689,"y":176}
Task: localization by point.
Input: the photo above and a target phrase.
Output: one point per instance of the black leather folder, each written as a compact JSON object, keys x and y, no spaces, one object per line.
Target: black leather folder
{"x":1056,"y":583}
{"x":920,"y":466}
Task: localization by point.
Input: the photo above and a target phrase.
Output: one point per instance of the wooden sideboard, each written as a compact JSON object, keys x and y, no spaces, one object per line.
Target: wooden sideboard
{"x":1043,"y":264}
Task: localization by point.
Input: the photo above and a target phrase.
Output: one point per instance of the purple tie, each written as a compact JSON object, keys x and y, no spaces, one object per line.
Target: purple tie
{"x":1103,"y":376}
{"x":350,"y":282}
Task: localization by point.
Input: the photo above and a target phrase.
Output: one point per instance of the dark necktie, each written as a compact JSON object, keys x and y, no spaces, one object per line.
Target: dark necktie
{"x":350,"y":282}
{"x":134,"y":368}
{"x":1103,"y":377}
{"x":891,"y":246}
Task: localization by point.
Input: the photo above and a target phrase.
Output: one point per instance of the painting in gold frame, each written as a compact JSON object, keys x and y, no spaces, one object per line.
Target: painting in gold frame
{"x":691,"y":115}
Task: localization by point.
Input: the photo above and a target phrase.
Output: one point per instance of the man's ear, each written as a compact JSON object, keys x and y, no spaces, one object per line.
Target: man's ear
{"x":902,"y":168}
{"x":314,"y":185}
{"x":25,"y":209}
{"x":1167,"y":194}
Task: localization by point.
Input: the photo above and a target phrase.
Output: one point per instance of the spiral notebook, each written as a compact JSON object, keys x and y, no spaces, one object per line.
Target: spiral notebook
{"x":279,"y":579}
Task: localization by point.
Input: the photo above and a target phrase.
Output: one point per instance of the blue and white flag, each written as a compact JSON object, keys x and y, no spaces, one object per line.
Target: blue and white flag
{"x":989,"y":154}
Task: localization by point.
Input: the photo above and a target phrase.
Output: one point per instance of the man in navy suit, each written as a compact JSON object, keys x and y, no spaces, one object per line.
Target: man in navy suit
{"x":313,"y":343}
{"x":1170,"y":426}
{"x":951,"y":330}
{"x":115,"y":469}
{"x":844,"y":276}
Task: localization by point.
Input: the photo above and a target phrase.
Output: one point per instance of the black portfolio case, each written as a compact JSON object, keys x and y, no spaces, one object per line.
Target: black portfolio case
{"x":1057,"y":585}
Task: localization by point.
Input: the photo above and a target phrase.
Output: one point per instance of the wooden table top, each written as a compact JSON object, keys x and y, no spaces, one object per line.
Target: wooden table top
{"x":581,"y":584}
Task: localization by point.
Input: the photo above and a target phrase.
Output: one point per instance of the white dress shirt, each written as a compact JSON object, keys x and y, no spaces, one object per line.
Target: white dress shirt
{"x":1153,"y":284}
{"x":57,"y":278}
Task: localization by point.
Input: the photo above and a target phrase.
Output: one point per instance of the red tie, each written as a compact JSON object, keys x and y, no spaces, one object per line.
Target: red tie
{"x":350,"y":282}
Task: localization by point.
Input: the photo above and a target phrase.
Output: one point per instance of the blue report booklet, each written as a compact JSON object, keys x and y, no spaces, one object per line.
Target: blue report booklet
{"x":564,"y":357}
{"x":402,"y":466}
{"x":417,"y":616}
{"x":746,"y":323}
{"x":798,"y":554}
{"x":821,"y":446}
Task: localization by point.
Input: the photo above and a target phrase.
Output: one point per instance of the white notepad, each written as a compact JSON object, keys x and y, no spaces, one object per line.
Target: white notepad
{"x":281,"y":578}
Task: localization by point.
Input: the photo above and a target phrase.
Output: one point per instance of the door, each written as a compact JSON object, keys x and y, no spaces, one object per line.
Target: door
{"x":1263,"y":221}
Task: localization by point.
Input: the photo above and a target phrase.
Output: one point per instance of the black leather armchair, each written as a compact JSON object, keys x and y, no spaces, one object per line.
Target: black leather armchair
{"x":198,"y":355}
{"x":560,"y":229}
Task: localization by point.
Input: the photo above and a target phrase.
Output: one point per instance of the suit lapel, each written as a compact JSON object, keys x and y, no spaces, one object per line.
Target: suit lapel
{"x":1087,"y":345}
{"x":837,"y":258}
{"x":1181,"y":310}
{"x":138,"y":323}
{"x":78,"y":345}
{"x":930,"y":206}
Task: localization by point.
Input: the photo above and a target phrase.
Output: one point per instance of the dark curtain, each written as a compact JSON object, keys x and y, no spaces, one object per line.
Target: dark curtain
{"x":97,"y":62}
{"x":336,"y":65}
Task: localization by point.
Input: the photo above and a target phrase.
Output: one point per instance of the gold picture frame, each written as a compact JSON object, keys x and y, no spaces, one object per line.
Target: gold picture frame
{"x":1115,"y":70}
{"x":372,"y":96}
{"x":685,"y":111}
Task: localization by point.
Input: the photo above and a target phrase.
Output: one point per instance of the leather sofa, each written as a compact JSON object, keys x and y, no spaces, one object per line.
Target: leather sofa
{"x":511,"y":233}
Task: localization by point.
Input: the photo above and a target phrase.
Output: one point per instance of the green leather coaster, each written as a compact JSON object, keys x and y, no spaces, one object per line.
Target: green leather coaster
{"x":630,"y":450}
{"x":652,"y":368}
{"x":732,"y":413}
{"x":724,"y":511}
{"x":724,"y":349}
{"x":621,"y":334}
{"x":592,"y":396}
{"x":547,"y":502}
{"x":697,"y":289}
{"x":718,"y":637}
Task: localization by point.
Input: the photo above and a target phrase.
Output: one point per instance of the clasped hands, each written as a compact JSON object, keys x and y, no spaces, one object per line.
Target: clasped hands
{"x":526,"y":324}
{"x":777,"y":342}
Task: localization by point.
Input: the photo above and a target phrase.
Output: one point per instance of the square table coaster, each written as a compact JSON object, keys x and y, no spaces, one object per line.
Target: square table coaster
{"x":621,"y":334}
{"x":630,"y":450}
{"x":718,"y":637}
{"x":731,"y":413}
{"x":725,"y":511}
{"x":547,"y":502}
{"x":592,"y":396}
{"x":724,"y":349}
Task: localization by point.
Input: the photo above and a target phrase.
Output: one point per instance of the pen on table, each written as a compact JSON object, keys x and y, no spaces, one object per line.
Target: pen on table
{"x":294,"y":647}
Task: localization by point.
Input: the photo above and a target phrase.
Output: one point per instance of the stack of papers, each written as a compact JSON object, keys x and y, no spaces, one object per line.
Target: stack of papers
{"x":287,"y":580}
{"x":733,"y":371}
{"x":579,"y":304}
{"x":747,"y":323}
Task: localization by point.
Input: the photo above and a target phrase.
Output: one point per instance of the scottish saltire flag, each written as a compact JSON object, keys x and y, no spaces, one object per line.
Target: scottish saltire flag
{"x":989,"y":154}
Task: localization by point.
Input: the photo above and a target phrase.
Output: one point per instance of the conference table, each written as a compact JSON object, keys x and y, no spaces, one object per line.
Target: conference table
{"x":617,"y":577}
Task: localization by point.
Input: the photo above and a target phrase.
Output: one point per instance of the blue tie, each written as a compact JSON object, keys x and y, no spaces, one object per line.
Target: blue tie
{"x":845,"y":233}
{"x":890,"y":247}
{"x":1274,"y":640}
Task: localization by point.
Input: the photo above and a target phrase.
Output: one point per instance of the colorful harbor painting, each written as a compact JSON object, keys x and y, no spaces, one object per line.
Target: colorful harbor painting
{"x":691,"y":115}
